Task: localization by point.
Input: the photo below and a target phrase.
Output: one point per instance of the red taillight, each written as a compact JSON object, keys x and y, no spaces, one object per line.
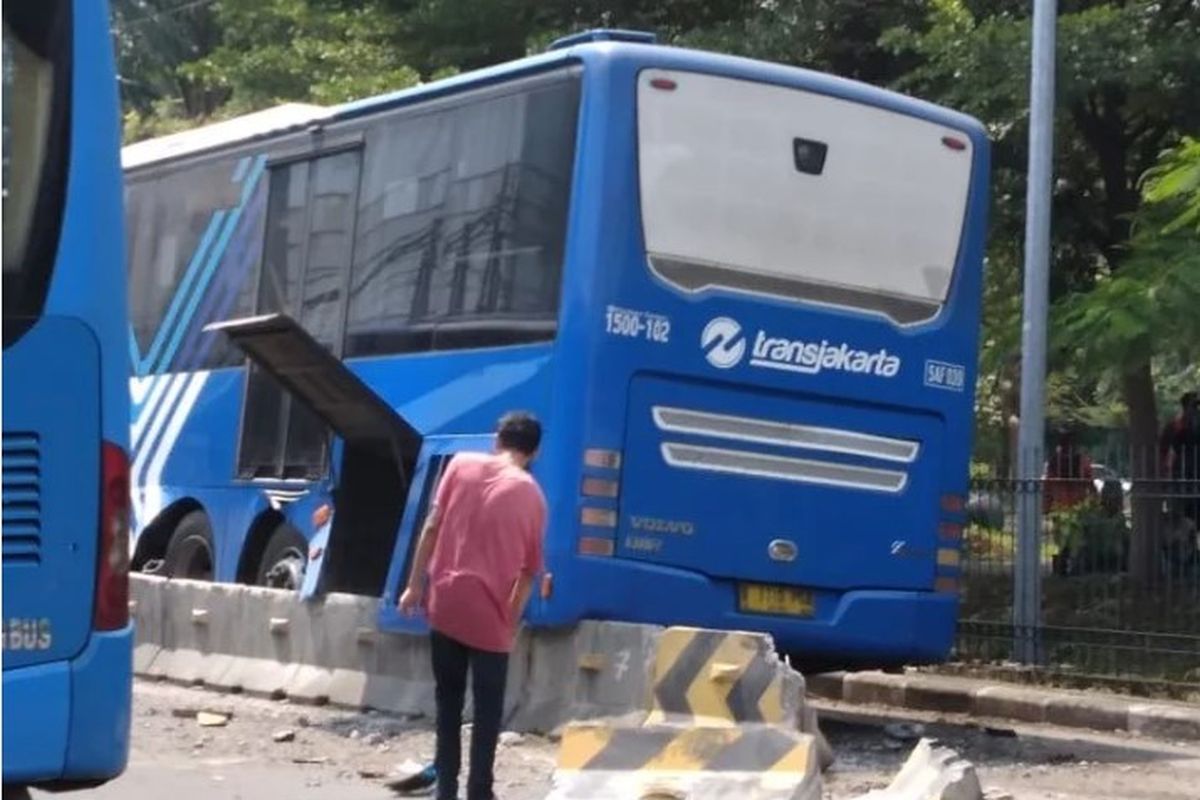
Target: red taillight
{"x":112,"y":575}
{"x":665,"y":84}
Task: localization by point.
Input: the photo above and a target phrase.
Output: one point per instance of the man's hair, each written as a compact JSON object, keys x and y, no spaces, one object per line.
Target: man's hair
{"x":519,"y":431}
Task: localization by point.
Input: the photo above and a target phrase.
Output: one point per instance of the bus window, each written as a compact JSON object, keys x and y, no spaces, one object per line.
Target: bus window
{"x":35,"y":115}
{"x":462,"y":222}
{"x":776,"y":191}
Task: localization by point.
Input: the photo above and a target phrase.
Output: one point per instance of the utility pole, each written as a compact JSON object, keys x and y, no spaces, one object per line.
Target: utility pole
{"x":1027,"y":583}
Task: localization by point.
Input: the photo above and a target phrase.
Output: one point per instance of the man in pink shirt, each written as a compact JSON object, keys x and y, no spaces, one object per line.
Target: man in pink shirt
{"x":479,"y":552}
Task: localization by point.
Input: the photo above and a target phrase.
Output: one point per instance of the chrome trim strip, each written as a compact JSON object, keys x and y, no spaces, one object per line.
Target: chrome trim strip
{"x":798,"y":470}
{"x":785,"y":434}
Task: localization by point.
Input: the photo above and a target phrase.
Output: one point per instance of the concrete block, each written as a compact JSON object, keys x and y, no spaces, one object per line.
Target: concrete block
{"x":1009,"y":702}
{"x":932,"y":772}
{"x":762,"y":762}
{"x":938,"y":694}
{"x":874,"y":688}
{"x":826,"y":684}
{"x":1165,"y":721}
{"x":1097,"y":713}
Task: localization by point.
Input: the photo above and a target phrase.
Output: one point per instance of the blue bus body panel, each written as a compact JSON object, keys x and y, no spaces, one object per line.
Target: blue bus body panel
{"x":867,"y":558}
{"x":37,"y":720}
{"x":67,"y":704}
{"x":51,"y":488}
{"x":70,"y":718}
{"x":612,"y":389}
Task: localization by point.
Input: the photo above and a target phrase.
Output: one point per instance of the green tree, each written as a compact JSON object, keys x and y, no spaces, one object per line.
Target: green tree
{"x":317,"y":51}
{"x":1128,"y":76}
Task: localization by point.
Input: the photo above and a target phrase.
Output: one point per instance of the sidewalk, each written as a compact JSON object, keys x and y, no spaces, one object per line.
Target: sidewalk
{"x":984,"y":698}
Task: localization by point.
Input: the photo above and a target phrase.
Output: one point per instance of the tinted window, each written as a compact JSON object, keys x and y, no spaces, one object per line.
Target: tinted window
{"x":193,"y":236}
{"x":305,"y":266}
{"x":462,"y":222}
{"x":36,"y":105}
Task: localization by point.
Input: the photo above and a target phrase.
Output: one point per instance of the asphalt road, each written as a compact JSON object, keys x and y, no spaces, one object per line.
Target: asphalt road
{"x":331,"y":753}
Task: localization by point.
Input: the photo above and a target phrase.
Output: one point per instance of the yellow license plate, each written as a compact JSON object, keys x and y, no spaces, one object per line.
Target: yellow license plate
{"x":761,"y":599}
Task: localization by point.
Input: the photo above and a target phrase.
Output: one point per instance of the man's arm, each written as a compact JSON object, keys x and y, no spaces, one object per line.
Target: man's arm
{"x":522,"y":589}
{"x":532,"y":561}
{"x":414,"y":589}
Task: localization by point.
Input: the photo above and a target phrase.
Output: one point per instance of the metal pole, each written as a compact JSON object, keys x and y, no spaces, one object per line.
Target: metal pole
{"x":1027,"y":585}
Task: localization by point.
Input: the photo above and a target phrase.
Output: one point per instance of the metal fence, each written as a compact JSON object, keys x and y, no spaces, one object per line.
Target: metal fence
{"x":1119,"y":565}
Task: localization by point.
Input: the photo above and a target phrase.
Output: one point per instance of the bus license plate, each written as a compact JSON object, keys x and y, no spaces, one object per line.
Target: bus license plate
{"x":760,"y":599}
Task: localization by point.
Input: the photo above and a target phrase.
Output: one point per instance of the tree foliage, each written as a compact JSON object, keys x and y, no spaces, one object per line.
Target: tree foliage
{"x":1124,"y":274}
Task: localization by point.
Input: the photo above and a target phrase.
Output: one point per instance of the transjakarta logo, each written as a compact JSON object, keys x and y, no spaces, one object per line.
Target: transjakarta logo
{"x":723,"y":343}
{"x":724,"y":346}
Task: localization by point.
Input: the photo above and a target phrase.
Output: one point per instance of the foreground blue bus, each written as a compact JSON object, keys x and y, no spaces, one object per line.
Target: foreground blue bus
{"x":743,"y":298}
{"x":67,"y":638}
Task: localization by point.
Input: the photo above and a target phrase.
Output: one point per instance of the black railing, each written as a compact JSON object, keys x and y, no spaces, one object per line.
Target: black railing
{"x":1119,"y":563}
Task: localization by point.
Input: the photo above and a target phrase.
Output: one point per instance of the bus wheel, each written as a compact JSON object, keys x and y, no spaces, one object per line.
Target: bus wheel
{"x":190,"y":551}
{"x":284,"y":560}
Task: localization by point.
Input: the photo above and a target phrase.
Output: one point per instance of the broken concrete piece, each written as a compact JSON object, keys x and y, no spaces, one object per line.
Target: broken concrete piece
{"x":208,"y":719}
{"x":932,"y":772}
{"x":285,"y":735}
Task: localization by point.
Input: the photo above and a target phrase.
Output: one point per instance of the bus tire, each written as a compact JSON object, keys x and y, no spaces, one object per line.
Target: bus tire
{"x":190,"y":549}
{"x":284,"y":559}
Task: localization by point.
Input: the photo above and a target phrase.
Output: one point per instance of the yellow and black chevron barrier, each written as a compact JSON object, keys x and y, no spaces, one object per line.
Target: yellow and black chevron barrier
{"x":753,"y":762}
{"x":721,"y":677}
{"x":722,"y":724}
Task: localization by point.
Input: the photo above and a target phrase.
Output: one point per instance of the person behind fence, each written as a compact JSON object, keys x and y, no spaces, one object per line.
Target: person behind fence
{"x":1068,"y":473}
{"x":1180,"y":447}
{"x":478,"y":553}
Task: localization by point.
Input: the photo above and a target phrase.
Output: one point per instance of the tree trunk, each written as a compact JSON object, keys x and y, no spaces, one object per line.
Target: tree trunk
{"x":1137,"y":385}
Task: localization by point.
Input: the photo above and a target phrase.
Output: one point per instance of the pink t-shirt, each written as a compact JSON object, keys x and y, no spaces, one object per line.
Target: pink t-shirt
{"x":490,"y":533}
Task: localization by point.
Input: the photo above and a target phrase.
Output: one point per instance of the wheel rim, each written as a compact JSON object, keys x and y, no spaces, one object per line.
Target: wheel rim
{"x":287,"y":572}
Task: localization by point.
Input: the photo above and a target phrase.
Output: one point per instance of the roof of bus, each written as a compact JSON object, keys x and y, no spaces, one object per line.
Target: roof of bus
{"x":295,"y":115}
{"x":231,"y":131}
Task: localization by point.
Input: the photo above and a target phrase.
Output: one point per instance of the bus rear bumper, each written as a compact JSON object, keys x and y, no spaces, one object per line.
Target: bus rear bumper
{"x":851,"y":628}
{"x":69,"y":721}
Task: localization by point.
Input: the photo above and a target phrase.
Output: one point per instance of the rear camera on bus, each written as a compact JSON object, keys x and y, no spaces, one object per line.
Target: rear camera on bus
{"x":809,"y":155}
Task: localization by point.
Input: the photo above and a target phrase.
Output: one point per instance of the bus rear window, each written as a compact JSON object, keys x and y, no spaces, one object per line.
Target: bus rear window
{"x":775,"y":191}
{"x":35,"y":99}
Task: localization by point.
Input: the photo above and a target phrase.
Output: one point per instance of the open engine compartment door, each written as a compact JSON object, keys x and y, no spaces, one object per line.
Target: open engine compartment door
{"x":377,"y":459}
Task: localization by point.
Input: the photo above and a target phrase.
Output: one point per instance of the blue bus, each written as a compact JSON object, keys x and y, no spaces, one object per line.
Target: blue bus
{"x":67,"y":637}
{"x":743,"y":298}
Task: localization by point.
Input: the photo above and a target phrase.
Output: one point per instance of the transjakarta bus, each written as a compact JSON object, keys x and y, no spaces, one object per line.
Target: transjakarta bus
{"x":743,"y":298}
{"x":67,"y":640}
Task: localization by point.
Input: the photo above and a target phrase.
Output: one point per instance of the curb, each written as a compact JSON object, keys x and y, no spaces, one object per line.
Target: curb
{"x":978,"y":698}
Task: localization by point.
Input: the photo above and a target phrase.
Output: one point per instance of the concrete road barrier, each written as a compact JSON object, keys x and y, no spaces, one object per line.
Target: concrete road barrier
{"x":744,"y":762}
{"x":266,"y":642}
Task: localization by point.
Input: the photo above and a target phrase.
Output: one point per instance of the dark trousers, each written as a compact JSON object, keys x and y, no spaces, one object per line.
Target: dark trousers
{"x":489,"y":673}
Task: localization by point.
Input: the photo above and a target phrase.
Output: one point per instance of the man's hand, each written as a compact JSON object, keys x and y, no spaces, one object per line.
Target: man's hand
{"x":411,"y":601}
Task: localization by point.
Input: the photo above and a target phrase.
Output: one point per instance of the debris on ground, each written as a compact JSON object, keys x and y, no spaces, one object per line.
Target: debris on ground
{"x":310,"y":760}
{"x":511,"y":739}
{"x":932,"y":772}
{"x":208,"y":719}
{"x":285,"y":735}
{"x":904,"y":731}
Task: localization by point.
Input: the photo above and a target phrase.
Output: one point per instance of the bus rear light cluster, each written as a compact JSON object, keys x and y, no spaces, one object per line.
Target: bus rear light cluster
{"x":950,"y":532}
{"x":954,"y":503}
{"x":948,"y":557}
{"x":602,"y":459}
{"x":600,"y":487}
{"x":112,"y":572}
{"x":596,"y":546}
{"x":946,"y":585}
{"x":598,"y":517}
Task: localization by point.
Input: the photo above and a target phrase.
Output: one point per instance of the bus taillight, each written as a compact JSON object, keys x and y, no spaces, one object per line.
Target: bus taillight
{"x":112,"y":574}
